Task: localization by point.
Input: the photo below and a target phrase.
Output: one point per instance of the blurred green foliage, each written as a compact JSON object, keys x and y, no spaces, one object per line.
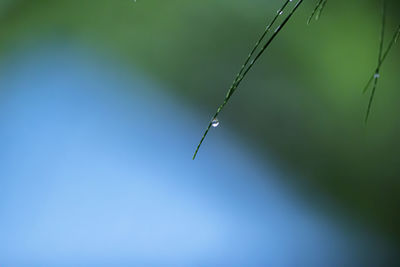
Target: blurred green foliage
{"x":301,"y":103}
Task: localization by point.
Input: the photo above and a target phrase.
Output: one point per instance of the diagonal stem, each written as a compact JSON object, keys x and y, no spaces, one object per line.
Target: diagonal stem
{"x":321,"y":9}
{"x":267,"y":29}
{"x":392,"y":42}
{"x":317,"y":10}
{"x":248,"y":65}
{"x":377,"y":73}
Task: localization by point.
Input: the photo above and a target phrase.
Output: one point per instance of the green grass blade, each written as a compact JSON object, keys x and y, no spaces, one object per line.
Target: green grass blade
{"x":267,"y":29}
{"x":244,"y":70}
{"x":319,"y":7}
{"x":377,"y":73}
{"x":371,"y":99}
{"x":388,"y":49}
{"x":320,"y":10}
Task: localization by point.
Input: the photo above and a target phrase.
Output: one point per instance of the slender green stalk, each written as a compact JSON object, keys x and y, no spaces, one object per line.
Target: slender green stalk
{"x":249,"y":64}
{"x":319,"y":7}
{"x":277,"y":30}
{"x":388,"y":49}
{"x":377,"y":72}
{"x":267,"y":29}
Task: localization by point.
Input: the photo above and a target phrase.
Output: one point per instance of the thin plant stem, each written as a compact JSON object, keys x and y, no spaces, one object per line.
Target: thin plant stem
{"x":377,"y":72}
{"x":388,"y":49}
{"x":319,"y":7}
{"x":249,"y":64}
{"x":267,"y":29}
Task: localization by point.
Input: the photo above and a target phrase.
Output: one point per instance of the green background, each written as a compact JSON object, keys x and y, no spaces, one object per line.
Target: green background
{"x":302,"y":102}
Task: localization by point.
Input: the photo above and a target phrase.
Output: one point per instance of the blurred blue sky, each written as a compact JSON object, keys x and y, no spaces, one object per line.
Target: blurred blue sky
{"x":96,"y":169}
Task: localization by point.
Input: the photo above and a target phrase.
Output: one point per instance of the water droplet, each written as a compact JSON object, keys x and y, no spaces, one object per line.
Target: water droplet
{"x":377,"y":75}
{"x":215,"y":122}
